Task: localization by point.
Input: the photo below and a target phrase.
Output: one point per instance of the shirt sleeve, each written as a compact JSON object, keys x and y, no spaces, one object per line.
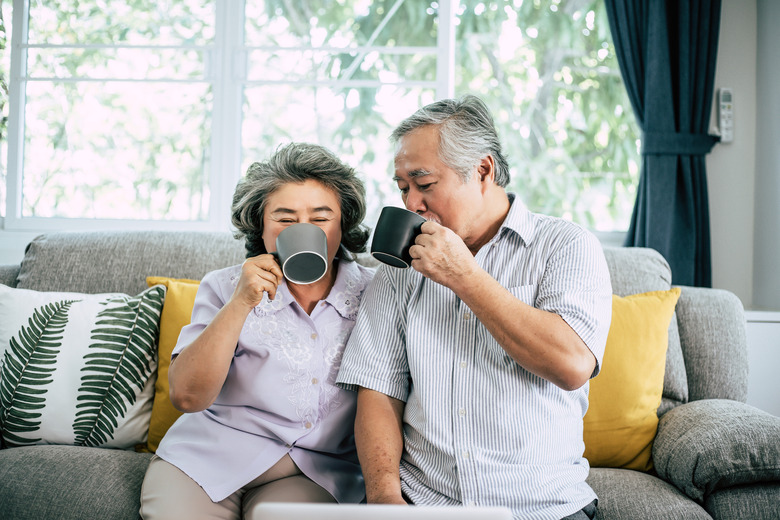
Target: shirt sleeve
{"x":208,"y":301}
{"x":375,"y":355}
{"x":577,"y":287}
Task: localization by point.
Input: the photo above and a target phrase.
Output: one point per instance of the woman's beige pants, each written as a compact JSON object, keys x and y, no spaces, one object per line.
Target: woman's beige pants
{"x":168,"y":493}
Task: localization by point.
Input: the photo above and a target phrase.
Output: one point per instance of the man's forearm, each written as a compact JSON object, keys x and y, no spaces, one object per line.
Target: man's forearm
{"x":540,"y":341}
{"x":379,"y":440}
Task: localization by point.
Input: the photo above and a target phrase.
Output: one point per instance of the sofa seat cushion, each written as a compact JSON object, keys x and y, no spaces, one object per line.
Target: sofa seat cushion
{"x":751,"y":501}
{"x":70,"y":482}
{"x":625,"y":494}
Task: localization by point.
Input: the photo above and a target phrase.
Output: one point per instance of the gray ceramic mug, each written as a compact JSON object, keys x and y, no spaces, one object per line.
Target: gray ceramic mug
{"x":302,"y":250}
{"x":395,"y":232}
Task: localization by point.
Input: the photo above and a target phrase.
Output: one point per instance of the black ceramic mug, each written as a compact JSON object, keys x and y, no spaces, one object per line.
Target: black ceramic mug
{"x":302,"y":250}
{"x":394,"y":235}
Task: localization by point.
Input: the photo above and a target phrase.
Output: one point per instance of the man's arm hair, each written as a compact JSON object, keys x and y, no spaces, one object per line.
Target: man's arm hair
{"x":379,"y":440}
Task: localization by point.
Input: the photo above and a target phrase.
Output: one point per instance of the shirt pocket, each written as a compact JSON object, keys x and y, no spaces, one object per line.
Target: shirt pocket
{"x":525,"y":293}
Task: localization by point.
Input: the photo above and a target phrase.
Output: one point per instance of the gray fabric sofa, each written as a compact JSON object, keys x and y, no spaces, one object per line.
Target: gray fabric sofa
{"x":715,"y":456}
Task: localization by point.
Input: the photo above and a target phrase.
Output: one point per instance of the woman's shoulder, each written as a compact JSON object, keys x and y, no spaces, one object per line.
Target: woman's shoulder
{"x":366,"y":272}
{"x":227,"y":278}
{"x":351,"y":281}
{"x":357,"y":276}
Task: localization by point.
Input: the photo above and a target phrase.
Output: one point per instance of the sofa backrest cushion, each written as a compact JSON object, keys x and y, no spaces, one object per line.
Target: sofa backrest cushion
{"x":637,"y":270}
{"x":8,"y":274}
{"x":119,"y":261}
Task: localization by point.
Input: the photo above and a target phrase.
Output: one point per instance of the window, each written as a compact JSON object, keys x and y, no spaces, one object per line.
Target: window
{"x":142,"y":113}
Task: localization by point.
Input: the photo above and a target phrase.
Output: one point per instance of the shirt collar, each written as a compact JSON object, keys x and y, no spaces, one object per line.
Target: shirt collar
{"x":519,"y":220}
{"x":344,"y":296}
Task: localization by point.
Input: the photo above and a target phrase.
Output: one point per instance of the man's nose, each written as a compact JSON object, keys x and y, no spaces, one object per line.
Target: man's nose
{"x":414,"y":201}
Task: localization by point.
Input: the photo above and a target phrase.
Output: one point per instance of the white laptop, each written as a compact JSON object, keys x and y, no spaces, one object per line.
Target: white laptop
{"x":293,"y":511}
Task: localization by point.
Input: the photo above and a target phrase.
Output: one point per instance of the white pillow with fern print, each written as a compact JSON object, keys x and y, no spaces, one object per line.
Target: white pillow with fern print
{"x":77,"y":368}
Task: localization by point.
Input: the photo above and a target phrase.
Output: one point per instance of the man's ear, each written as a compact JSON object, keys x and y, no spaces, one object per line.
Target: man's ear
{"x":486,"y":169}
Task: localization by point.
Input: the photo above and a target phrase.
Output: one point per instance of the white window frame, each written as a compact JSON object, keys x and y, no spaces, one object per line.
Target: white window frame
{"x":227,"y":75}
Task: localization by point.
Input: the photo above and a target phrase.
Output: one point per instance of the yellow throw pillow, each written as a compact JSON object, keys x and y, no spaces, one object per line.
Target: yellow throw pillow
{"x":621,"y":421}
{"x":176,"y":313}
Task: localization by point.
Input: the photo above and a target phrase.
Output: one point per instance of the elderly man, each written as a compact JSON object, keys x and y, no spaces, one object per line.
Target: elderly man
{"x":472,"y":368}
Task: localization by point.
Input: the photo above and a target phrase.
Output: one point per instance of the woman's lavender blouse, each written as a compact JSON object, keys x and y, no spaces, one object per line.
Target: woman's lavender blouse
{"x":279,"y":396}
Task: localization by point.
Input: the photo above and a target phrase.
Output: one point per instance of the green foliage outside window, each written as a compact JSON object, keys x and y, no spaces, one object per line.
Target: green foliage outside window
{"x":547,"y":70}
{"x":553,"y":83}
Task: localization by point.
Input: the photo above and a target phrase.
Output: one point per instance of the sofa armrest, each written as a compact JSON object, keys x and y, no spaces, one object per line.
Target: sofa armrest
{"x":8,"y":274}
{"x":713,"y":337}
{"x":712,"y":444}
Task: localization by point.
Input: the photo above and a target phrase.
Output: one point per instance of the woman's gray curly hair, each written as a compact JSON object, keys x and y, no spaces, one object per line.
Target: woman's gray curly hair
{"x":299,"y":162}
{"x":467,"y":134}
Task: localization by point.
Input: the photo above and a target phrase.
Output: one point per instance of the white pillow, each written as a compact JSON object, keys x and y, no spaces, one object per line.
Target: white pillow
{"x":77,"y":368}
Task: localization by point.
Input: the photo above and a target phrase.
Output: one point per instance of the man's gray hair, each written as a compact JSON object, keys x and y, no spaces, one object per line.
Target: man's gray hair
{"x":467,"y":134}
{"x":296,"y":163}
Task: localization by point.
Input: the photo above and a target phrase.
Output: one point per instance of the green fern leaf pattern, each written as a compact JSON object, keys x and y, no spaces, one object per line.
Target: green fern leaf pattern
{"x":28,"y":365}
{"x":118,"y":365}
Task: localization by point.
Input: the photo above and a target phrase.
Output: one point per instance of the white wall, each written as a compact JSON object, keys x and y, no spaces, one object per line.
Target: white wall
{"x":766,"y":275}
{"x":744,"y":176}
{"x":763,"y":331}
{"x":731,"y":166}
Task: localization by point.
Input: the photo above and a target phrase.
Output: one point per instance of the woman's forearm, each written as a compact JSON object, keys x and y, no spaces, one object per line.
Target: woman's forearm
{"x":197,"y":374}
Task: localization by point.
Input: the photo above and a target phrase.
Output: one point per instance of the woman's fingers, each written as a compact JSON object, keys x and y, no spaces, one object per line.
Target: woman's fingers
{"x":259,"y":274}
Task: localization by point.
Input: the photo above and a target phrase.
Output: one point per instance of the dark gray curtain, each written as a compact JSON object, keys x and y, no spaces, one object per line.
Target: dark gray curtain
{"x":667,"y":50}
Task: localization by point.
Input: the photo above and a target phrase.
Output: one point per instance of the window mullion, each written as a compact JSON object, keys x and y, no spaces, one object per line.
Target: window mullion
{"x":227,"y":76}
{"x":16,"y":101}
{"x":445,"y":60}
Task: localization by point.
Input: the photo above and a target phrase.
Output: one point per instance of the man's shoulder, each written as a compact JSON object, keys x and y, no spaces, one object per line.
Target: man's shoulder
{"x":541,"y":229}
{"x":554,"y":231}
{"x":391,"y":286}
{"x":553,"y":222}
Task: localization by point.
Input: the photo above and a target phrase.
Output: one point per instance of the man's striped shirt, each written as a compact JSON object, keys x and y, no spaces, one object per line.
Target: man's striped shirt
{"x":478,"y":427}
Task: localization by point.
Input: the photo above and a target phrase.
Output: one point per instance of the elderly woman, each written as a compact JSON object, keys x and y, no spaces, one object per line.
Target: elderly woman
{"x":255,"y":369}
